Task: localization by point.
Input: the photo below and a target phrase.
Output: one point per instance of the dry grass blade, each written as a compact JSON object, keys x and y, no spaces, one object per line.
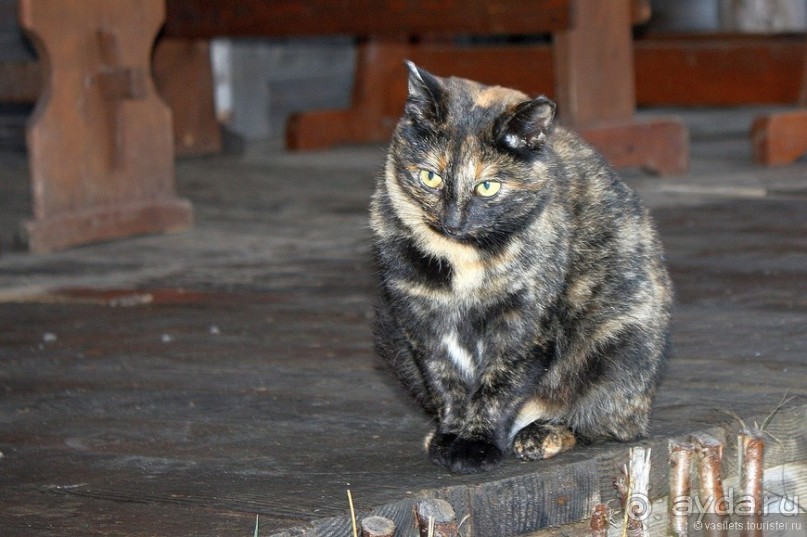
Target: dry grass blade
{"x":352,"y":514}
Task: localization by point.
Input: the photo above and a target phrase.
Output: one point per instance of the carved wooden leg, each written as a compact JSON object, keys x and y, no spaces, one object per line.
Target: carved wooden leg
{"x":378,"y":98}
{"x":779,"y":139}
{"x":184,"y":78}
{"x":660,"y":145}
{"x":595,"y":90}
{"x":100,"y":144}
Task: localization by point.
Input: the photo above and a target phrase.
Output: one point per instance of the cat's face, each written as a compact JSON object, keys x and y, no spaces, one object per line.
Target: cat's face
{"x":468,"y":161}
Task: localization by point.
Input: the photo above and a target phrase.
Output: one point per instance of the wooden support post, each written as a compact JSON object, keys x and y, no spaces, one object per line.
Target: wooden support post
{"x":594,"y":78}
{"x":184,"y":78}
{"x":99,"y":143}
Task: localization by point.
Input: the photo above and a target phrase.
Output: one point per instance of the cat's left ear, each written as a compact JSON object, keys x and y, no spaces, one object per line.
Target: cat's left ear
{"x":528,"y":125}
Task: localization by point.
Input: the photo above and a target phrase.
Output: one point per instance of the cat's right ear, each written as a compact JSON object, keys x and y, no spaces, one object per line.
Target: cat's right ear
{"x":424,"y":103}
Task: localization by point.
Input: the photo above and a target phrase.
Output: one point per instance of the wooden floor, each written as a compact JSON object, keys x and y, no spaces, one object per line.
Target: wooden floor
{"x":181,"y":385}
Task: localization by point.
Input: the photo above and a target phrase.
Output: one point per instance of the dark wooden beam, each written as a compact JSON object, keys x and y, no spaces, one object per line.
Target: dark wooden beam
{"x":718,"y":69}
{"x":280,"y":18}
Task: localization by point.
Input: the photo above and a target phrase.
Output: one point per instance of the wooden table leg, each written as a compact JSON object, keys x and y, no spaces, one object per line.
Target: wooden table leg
{"x":596,"y":91}
{"x":183,"y":75}
{"x":378,"y":99}
{"x":100,"y":143}
{"x":779,"y":139}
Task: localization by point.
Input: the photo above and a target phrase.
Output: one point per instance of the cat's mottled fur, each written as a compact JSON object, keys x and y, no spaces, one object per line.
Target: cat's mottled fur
{"x":522,"y":319}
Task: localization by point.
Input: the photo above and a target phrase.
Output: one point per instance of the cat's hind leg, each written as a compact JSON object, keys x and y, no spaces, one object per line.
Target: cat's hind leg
{"x":541,"y":440}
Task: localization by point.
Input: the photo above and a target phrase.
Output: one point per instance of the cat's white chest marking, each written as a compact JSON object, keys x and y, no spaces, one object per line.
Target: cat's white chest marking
{"x":459,"y":356}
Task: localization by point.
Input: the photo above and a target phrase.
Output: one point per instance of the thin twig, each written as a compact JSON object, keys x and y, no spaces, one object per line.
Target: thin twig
{"x":785,"y":400}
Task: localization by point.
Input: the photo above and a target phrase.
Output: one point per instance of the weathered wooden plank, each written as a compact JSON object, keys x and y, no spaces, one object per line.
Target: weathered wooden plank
{"x":201,"y":19}
{"x":42,"y":512}
{"x":533,"y":501}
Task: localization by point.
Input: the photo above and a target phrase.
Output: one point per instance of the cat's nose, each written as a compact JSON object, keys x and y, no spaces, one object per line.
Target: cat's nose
{"x":452,"y":222}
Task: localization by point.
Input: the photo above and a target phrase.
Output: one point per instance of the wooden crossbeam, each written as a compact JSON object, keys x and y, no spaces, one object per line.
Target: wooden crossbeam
{"x":282,"y":18}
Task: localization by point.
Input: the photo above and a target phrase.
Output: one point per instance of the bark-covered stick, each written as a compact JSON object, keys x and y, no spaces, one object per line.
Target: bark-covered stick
{"x":680,"y":486}
{"x":710,"y":457}
{"x":637,"y":508}
{"x":752,"y":452}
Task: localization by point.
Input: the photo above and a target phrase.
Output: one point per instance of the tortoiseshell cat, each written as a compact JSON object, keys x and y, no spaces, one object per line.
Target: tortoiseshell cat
{"x":523,"y":295}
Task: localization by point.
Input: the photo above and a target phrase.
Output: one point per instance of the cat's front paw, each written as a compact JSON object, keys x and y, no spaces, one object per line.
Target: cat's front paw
{"x":473,"y":456}
{"x":437,"y":446}
{"x":542,"y":440}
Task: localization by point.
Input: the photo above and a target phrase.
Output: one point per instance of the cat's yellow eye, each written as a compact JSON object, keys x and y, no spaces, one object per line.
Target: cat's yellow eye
{"x":430,"y":179}
{"x":487,"y":188}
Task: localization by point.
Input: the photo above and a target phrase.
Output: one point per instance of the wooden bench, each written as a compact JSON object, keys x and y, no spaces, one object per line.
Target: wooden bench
{"x":592,"y":77}
{"x":100,"y":142}
{"x":591,"y":45}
